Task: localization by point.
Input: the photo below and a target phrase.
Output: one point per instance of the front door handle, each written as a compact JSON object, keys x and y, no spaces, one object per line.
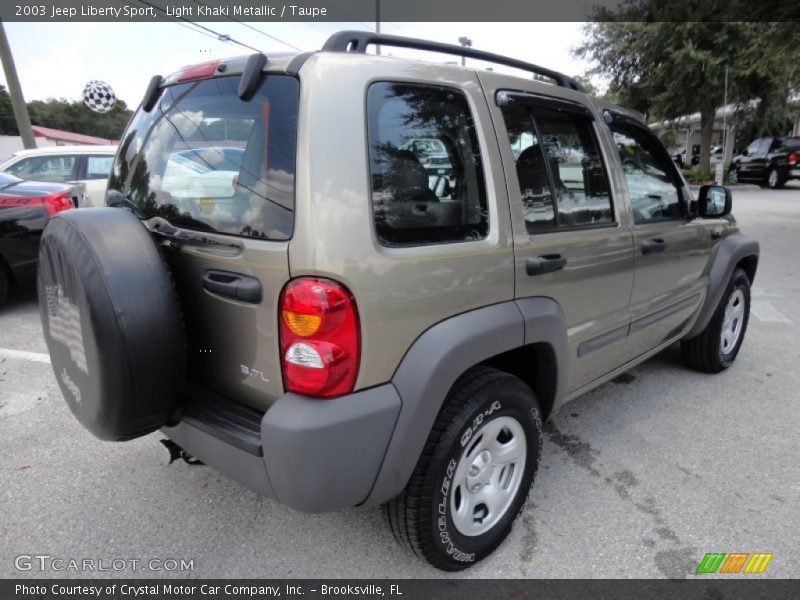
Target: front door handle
{"x":233,"y":285}
{"x":654,"y":245}
{"x":546,"y":263}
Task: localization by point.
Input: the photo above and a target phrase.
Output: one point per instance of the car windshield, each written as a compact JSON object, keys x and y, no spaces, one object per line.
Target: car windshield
{"x":6,"y":179}
{"x":204,"y":159}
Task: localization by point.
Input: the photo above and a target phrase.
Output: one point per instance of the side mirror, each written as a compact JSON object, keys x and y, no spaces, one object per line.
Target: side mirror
{"x":714,"y":201}
{"x":744,"y":152}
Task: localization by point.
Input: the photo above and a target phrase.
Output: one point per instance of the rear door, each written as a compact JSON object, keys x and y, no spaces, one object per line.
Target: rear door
{"x":94,"y":174}
{"x":571,"y":239}
{"x":671,"y":250}
{"x":225,"y":224}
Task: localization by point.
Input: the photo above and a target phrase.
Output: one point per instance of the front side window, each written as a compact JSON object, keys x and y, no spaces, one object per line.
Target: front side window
{"x":425,"y":165}
{"x":561,"y":177}
{"x":652,"y":191}
{"x":204,"y":159}
{"x":45,"y":168}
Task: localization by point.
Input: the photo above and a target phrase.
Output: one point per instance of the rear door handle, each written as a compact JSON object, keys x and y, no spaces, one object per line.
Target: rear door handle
{"x":654,"y":245}
{"x":546,"y":263}
{"x":233,"y":285}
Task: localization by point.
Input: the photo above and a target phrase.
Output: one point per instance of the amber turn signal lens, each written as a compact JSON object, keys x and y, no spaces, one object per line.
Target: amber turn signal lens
{"x":302,"y":325}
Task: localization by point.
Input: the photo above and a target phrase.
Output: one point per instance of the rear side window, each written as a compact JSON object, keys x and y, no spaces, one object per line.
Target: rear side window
{"x":561,"y":177}
{"x":425,"y":165}
{"x":204,"y":159}
{"x":98,"y":167}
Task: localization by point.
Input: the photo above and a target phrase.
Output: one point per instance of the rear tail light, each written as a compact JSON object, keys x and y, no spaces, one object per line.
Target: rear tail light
{"x":55,"y":203}
{"x":52,"y":204}
{"x":198,"y":71}
{"x":319,"y":338}
{"x":793,"y":158}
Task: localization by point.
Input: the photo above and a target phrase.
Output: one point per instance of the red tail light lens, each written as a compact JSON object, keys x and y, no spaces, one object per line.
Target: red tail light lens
{"x":55,"y":203}
{"x":793,"y":158}
{"x":198,"y":71}
{"x":319,"y":338}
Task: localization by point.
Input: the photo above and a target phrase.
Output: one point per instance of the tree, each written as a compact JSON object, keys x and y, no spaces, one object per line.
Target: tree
{"x":667,"y":68}
{"x":8,"y":124}
{"x":78,"y":118}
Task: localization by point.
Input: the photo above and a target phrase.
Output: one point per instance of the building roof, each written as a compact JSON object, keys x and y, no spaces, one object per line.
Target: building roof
{"x":68,"y":136}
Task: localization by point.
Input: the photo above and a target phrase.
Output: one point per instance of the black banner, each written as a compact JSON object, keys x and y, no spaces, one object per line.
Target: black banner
{"x":700,"y":588}
{"x":387,"y":11}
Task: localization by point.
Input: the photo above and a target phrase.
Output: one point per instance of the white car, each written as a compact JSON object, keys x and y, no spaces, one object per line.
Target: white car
{"x":89,"y":165}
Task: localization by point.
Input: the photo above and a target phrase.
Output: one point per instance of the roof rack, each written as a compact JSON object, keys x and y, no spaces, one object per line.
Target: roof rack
{"x":357,"y":42}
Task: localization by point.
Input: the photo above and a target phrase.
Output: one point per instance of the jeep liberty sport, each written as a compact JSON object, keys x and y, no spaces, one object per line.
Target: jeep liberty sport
{"x":295,"y":297}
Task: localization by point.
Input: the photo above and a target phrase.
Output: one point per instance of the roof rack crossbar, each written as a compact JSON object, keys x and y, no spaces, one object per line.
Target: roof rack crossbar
{"x":357,"y":42}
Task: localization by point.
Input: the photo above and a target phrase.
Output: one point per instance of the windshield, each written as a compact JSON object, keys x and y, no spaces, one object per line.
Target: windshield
{"x":6,"y":179}
{"x":204,"y":159}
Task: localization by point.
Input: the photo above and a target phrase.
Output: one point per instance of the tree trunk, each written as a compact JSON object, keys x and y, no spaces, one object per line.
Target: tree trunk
{"x":706,"y":130}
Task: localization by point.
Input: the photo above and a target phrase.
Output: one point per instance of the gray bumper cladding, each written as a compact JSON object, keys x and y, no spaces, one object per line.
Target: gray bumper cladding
{"x":316,"y":455}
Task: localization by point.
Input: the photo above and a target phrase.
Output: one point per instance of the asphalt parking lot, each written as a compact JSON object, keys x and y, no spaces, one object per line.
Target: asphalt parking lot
{"x":640,"y":478}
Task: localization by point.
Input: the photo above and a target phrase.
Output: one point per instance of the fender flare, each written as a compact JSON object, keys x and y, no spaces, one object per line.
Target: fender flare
{"x":719,"y":271}
{"x":441,"y":355}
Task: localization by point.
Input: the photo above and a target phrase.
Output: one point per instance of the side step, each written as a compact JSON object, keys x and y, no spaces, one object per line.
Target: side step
{"x":228,"y":421}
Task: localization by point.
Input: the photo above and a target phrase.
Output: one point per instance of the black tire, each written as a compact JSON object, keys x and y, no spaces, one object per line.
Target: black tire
{"x":706,"y":352}
{"x":733,"y":175}
{"x":775,"y":180}
{"x":421,"y":516}
{"x":111,"y":321}
{"x":4,"y":282}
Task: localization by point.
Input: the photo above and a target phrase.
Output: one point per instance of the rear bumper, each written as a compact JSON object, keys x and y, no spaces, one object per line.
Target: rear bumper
{"x":311,"y":455}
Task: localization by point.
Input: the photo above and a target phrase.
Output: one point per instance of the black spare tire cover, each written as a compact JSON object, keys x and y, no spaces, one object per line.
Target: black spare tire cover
{"x":111,"y":321}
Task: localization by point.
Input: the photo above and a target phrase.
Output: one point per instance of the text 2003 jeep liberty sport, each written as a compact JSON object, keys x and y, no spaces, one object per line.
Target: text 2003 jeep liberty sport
{"x":294,"y":295}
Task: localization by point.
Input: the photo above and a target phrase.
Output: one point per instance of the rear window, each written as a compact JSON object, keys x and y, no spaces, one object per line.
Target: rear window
{"x":206,"y":160}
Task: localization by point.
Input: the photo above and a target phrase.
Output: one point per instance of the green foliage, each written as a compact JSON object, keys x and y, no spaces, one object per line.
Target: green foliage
{"x":698,"y":175}
{"x":667,"y":68}
{"x":669,"y":138}
{"x":67,"y":116}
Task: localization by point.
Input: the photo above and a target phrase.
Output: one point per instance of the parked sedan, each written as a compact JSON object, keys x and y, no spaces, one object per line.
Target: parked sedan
{"x":768,"y":160}
{"x":89,"y":165}
{"x":25,"y":207}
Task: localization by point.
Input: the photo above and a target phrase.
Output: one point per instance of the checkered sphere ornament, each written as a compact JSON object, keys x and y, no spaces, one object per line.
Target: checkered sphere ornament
{"x":99,"y":96}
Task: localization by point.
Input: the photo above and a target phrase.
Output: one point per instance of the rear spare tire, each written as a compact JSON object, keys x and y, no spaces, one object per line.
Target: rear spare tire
{"x":111,"y":321}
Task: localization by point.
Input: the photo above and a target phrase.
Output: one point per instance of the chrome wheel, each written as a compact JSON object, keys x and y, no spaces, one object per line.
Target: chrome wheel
{"x":488,"y":476}
{"x":733,"y":176}
{"x":772,"y":180}
{"x":732,"y":322}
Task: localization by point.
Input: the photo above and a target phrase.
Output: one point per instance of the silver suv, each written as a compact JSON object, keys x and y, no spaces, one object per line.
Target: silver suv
{"x":330,"y":323}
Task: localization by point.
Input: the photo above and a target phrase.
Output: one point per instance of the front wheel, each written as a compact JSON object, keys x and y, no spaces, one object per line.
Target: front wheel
{"x":733,"y":175}
{"x":715,"y":349}
{"x":474,"y":474}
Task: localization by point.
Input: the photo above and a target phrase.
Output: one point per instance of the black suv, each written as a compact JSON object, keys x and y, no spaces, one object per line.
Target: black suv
{"x":770,"y":160}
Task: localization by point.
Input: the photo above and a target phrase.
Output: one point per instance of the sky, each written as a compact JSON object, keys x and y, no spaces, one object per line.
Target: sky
{"x":55,"y":60}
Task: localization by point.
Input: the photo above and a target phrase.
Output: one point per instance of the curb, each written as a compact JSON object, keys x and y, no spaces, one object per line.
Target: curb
{"x":739,"y":187}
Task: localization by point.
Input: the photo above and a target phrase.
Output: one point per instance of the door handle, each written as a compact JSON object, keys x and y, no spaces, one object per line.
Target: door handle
{"x":232,"y":285}
{"x":546,"y":263}
{"x":654,"y":245}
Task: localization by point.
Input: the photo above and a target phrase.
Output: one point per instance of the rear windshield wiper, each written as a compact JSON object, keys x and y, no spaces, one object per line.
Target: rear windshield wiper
{"x":177,"y":238}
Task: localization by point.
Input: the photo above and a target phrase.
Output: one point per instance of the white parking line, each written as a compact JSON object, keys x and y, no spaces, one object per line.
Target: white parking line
{"x":23,"y":355}
{"x":767,"y":313}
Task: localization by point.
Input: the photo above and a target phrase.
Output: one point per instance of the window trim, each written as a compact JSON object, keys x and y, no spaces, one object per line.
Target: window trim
{"x":559,"y":105}
{"x":451,"y":87}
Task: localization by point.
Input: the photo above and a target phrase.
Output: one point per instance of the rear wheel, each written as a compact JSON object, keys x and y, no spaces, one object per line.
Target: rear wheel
{"x":774,"y":179}
{"x":474,"y":474}
{"x":715,"y":349}
{"x":4,"y":282}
